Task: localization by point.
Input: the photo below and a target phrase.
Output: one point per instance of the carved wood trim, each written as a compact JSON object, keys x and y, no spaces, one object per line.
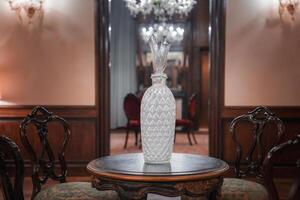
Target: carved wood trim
{"x":284,"y":149}
{"x":11,"y":191}
{"x":258,"y":117}
{"x":139,"y":190}
{"x":43,"y":162}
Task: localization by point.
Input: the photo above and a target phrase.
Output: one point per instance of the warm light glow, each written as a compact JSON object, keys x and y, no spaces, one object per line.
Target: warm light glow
{"x":170,"y":32}
{"x":26,"y":7}
{"x":288,"y":5}
{"x":5,"y":103}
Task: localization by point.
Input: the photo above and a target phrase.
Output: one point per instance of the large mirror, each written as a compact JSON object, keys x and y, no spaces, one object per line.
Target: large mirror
{"x":187,"y":70}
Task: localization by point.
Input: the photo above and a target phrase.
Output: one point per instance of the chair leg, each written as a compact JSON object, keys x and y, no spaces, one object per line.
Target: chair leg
{"x":194,"y":137}
{"x":175,"y":137}
{"x":36,"y":187}
{"x":126,"y":138}
{"x":189,"y":137}
{"x":136,"y":137}
{"x":140,"y":140}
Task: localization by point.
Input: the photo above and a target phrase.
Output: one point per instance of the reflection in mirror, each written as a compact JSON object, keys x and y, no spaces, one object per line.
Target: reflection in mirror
{"x":187,"y":70}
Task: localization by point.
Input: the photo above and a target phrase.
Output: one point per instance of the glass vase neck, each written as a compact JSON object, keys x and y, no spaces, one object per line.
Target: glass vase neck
{"x":159,"y":79}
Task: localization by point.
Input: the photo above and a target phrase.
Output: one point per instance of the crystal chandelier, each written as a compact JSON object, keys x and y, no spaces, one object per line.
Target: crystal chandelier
{"x":162,"y":9}
{"x":172,"y":33}
{"x":29,"y":7}
{"x":290,"y":6}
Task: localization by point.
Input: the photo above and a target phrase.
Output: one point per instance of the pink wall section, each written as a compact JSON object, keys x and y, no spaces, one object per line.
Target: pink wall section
{"x":51,"y":62}
{"x":262,"y":65}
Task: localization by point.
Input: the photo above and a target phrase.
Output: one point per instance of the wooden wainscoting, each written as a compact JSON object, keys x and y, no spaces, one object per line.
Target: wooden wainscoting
{"x":84,"y":143}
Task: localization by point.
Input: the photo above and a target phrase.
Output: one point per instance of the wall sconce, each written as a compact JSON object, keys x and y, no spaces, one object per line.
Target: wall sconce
{"x":28,"y":7}
{"x":290,"y":6}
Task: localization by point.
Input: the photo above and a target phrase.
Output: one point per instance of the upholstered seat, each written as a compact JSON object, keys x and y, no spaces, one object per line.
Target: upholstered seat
{"x":240,"y":189}
{"x":183,"y":122}
{"x":75,"y":190}
{"x":134,"y":123}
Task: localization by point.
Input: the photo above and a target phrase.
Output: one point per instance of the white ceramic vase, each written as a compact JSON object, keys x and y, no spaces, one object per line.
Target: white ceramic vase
{"x":158,"y":110}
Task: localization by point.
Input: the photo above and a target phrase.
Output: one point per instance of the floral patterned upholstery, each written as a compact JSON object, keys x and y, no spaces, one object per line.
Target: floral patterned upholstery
{"x":239,"y":189}
{"x":75,"y":191}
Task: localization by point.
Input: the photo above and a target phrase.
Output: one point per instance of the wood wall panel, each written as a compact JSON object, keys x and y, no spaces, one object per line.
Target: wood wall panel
{"x":82,"y":146}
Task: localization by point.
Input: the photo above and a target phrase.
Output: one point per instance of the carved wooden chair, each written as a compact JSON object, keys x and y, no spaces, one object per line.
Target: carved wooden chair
{"x":44,"y":161}
{"x":132,"y":110}
{"x":287,"y":149}
{"x":188,"y":123}
{"x":9,"y":150}
{"x":249,"y":160}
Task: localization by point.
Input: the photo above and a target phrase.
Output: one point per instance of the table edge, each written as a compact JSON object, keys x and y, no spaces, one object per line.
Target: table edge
{"x":151,"y":178}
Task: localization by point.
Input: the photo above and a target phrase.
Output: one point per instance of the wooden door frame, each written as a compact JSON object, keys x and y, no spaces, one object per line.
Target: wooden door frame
{"x":216,"y":86}
{"x":103,"y":76}
{"x":217,"y":63}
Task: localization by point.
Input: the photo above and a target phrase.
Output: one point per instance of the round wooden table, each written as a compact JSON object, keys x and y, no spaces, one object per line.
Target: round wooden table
{"x":186,"y":174}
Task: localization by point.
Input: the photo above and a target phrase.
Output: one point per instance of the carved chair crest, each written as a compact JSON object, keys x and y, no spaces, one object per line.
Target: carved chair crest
{"x":259,"y":118}
{"x":284,"y":149}
{"x":43,"y":162}
{"x":8,"y":150}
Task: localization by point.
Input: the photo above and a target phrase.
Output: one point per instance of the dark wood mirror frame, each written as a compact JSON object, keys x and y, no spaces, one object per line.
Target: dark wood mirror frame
{"x":217,"y":58}
{"x":217,"y":63}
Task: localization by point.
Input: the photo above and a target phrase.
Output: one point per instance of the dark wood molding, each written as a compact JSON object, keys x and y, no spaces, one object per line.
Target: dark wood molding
{"x":283,"y":112}
{"x":217,"y":62}
{"x":64,"y":111}
{"x":103,"y":77}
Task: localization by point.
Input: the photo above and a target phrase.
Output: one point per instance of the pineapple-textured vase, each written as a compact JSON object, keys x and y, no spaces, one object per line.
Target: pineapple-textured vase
{"x":158,"y":111}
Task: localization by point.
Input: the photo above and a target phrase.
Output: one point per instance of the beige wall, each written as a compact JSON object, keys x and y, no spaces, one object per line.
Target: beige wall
{"x":52,"y":62}
{"x":262,"y":64}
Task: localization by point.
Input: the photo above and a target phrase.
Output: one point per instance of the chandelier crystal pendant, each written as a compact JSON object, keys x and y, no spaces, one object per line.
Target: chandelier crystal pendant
{"x":169,"y":32}
{"x":162,"y":9}
{"x":29,"y":7}
{"x":290,"y":6}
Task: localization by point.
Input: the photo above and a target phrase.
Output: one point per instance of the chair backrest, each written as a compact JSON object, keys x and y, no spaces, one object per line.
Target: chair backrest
{"x":9,"y":150}
{"x":253,"y":158}
{"x":132,"y":107}
{"x":192,"y":112}
{"x":291,"y":147}
{"x":43,"y":160}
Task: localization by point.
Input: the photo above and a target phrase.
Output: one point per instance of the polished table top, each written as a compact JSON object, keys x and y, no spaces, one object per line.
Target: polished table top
{"x":182,"y":166}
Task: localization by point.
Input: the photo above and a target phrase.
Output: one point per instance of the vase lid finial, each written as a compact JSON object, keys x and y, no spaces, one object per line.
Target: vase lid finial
{"x":159,"y":52}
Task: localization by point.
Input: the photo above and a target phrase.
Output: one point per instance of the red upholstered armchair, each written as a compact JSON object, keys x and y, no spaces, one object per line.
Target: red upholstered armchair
{"x":187,"y":123}
{"x":132,"y":111}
